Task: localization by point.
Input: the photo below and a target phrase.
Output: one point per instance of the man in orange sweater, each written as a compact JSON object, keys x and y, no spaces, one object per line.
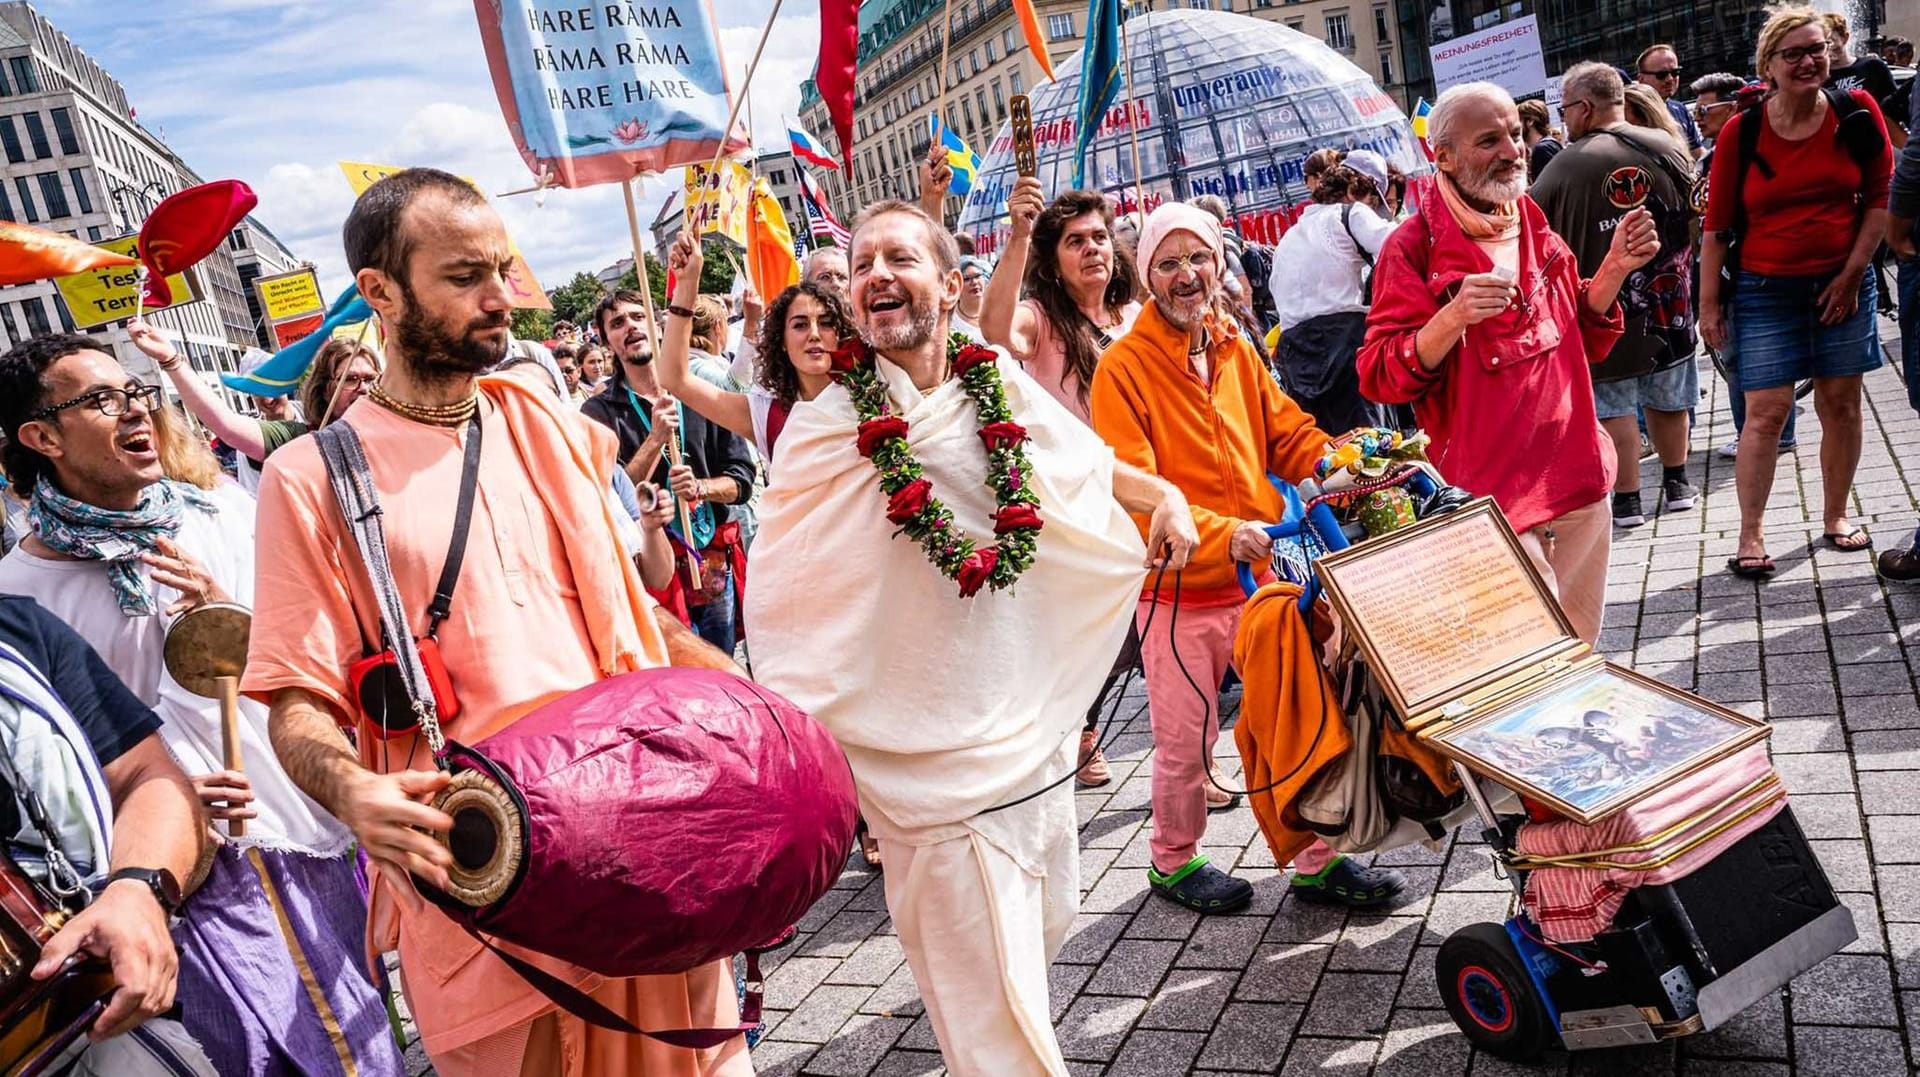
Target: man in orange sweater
{"x":1186,"y":397}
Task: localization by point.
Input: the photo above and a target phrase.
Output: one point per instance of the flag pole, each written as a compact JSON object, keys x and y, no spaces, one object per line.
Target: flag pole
{"x":946,"y":43}
{"x":746,"y":89}
{"x":1133,"y":124}
{"x":653,"y":331}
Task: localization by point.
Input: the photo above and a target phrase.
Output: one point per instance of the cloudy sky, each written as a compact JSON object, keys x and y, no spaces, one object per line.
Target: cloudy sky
{"x":274,"y":92}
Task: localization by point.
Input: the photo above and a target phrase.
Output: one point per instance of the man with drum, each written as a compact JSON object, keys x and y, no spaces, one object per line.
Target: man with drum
{"x":271,"y":969}
{"x":543,"y":603}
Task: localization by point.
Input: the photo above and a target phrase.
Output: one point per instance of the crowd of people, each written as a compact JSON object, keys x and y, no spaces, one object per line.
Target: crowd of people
{"x":790,"y":486}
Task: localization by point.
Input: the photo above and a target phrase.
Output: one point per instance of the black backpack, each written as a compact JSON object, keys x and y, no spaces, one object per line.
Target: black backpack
{"x":1854,"y":130}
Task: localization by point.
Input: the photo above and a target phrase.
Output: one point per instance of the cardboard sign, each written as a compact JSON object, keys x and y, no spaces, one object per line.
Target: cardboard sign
{"x":100,"y":297}
{"x":288,"y":332}
{"x":527,"y":292}
{"x":720,"y":201}
{"x":290,"y":295}
{"x":1507,"y":55}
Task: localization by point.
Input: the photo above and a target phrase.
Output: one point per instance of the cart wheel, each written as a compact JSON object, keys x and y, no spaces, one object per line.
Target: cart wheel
{"x":1489,"y":994}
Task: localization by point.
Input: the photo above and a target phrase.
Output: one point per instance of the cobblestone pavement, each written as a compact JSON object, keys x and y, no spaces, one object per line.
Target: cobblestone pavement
{"x":1825,"y":651}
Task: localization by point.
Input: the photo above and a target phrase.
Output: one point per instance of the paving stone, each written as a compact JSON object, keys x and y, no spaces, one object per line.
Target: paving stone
{"x":1805,"y":734}
{"x":1828,"y":815}
{"x":1887,"y":749}
{"x":857,"y":1048}
{"x":872,"y":962}
{"x":1162,"y":920}
{"x":1903,"y":945}
{"x":781,"y":1058}
{"x":1250,"y":1036}
{"x":1190,"y":999}
{"x":1453,"y":911}
{"x":1802,"y":700}
{"x":1812,"y":667}
{"x":789,"y":984}
{"x":1331,"y":1058}
{"x":1157,"y":1053}
{"x":1133,"y":967}
{"x":1899,"y":889}
{"x":1845,"y":989}
{"x":1824,"y":1051}
{"x":1223,"y":942}
{"x":1869,"y":930}
{"x":898,"y":1063}
{"x":1889,"y":792}
{"x":1422,"y":1043}
{"x":1875,"y":678}
{"x":1095,"y":1026}
{"x":822,"y":1014}
{"x":1064,"y":982}
{"x":1351,"y":1004}
{"x":1640,"y":1061}
{"x":1882,"y":712}
{"x":1760,"y":1031}
{"x":1284,"y":972}
{"x":1896,"y":838}
{"x":1420,"y":987}
{"x":899,"y":996}
{"x":843,"y":934}
{"x":1742,"y":1068}
{"x":1815,"y":772}
{"x":1376,"y":943}
{"x":1091,"y":936}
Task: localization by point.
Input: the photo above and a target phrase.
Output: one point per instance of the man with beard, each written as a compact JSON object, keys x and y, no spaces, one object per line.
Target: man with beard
{"x":1185,"y":396}
{"x":715,"y":473}
{"x":1482,"y":322}
{"x":544,"y":604}
{"x":271,"y":969}
{"x":1609,"y":171}
{"x":957,"y":695}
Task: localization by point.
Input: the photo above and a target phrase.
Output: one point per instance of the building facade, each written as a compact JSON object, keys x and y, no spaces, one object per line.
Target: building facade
{"x":74,"y":159}
{"x":783,"y":179}
{"x":988,"y":61}
{"x":257,"y":252}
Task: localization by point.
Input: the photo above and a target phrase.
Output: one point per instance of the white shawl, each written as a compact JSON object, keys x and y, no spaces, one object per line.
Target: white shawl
{"x":945,"y":706}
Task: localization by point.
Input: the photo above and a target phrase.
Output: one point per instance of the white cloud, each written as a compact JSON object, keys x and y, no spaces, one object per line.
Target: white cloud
{"x":275,"y":92}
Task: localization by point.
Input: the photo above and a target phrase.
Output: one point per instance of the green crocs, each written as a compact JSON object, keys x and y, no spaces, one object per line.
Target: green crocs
{"x":1200,"y":886}
{"x":1344,"y":882}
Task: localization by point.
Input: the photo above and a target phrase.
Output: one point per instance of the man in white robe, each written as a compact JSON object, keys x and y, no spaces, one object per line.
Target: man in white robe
{"x":950,"y":708}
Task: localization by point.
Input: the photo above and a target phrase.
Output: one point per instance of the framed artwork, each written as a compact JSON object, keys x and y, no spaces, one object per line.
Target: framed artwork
{"x":1590,"y":744}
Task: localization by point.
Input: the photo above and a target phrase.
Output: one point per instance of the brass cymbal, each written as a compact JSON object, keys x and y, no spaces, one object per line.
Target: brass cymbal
{"x":206,"y":643}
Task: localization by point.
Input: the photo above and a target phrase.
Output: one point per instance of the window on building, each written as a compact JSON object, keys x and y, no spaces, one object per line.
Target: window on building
{"x":27,"y":209}
{"x":5,"y":90}
{"x":66,"y":319}
{"x":6,"y":207}
{"x":993,"y":50}
{"x":1059,"y":27}
{"x":24,"y":80}
{"x":778,"y":177}
{"x":1006,"y":42}
{"x":1382,"y":29}
{"x":999,"y":102}
{"x":37,"y":134}
{"x":1299,"y":25}
{"x":95,"y":233}
{"x":52,"y":196}
{"x":1265,"y":3}
{"x":13,"y":326}
{"x":1340,"y":32}
{"x":973,"y":60}
{"x":10,"y":138}
{"x":1200,"y":5}
{"x":966,"y":107}
{"x":1018,"y":81}
{"x":913,"y":96}
{"x":36,"y":316}
{"x":63,"y":127}
{"x":1386,"y":68}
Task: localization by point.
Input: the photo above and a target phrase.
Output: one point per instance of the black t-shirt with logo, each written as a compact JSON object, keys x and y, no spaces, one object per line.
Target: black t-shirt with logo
{"x":1869,"y":73}
{"x":1585,"y":191}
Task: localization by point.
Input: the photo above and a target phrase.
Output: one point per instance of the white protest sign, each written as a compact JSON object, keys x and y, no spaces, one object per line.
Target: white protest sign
{"x":1507,"y":55}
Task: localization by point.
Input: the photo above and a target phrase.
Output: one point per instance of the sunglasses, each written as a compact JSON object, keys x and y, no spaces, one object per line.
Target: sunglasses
{"x":1666,"y":73}
{"x":111,"y":403}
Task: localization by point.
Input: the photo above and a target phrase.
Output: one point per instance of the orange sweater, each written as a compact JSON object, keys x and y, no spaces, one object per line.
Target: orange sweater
{"x":1216,"y":443}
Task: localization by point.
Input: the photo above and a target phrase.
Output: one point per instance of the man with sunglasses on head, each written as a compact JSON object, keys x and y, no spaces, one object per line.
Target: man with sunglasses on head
{"x":271,"y":971}
{"x":1659,"y":67}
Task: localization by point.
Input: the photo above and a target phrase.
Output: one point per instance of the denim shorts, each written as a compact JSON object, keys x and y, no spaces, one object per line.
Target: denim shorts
{"x":1776,"y":328}
{"x":1676,"y":388}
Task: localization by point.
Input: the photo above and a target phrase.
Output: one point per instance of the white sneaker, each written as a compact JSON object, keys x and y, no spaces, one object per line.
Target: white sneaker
{"x":1730,"y":450}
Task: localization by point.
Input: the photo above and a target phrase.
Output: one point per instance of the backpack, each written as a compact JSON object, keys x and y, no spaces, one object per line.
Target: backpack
{"x":1366,"y":286}
{"x":1259,"y":269}
{"x":1854,"y":129}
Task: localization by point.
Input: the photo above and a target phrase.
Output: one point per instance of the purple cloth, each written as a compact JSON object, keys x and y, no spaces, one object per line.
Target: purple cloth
{"x":242,"y":990}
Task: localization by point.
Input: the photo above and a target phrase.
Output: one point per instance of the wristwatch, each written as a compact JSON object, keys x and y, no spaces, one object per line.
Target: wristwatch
{"x":165,"y":888}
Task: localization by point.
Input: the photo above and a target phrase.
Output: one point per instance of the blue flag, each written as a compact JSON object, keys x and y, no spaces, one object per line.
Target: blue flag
{"x":1099,"y":78}
{"x":965,"y":162}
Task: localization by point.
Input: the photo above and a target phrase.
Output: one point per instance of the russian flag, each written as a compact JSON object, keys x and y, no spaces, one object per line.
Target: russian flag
{"x":809,"y":149}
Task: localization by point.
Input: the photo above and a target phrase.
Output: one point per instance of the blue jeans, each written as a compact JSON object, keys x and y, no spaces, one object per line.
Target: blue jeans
{"x":1907,"y":283}
{"x":714,"y":621}
{"x":1738,"y":399}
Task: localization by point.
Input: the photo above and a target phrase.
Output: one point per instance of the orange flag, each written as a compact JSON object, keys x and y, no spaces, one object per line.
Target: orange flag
{"x":771,"y":264}
{"x":1030,"y":26}
{"x":28,"y":254}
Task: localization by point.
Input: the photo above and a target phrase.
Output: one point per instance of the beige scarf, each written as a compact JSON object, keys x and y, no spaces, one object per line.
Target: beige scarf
{"x":1498,"y":226}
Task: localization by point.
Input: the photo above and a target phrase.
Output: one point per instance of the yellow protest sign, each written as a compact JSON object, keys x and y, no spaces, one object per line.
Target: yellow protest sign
{"x":100,"y":297}
{"x":290,"y":295}
{"x":526,"y":287}
{"x":720,"y":201}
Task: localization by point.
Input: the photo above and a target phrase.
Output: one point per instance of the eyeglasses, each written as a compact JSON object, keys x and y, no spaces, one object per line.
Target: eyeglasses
{"x":111,"y":403}
{"x":1794,"y":55}
{"x":357,"y":381}
{"x":1168,"y":267}
{"x":1664,"y":73}
{"x":1701,"y":108}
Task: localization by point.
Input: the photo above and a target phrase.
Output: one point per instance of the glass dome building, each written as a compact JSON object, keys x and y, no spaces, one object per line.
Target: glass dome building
{"x":1221,"y":104}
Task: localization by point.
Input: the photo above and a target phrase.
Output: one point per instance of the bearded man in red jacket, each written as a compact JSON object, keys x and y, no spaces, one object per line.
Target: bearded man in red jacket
{"x":1481,"y":321}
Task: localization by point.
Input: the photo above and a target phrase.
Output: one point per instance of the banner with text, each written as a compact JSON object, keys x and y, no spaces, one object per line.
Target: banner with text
{"x":600,"y":93}
{"x":100,"y":297}
{"x":1507,"y":55}
{"x":527,"y":292}
{"x":720,"y":201}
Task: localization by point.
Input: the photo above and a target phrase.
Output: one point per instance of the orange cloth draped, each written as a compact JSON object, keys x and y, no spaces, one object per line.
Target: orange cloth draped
{"x":28,"y":254}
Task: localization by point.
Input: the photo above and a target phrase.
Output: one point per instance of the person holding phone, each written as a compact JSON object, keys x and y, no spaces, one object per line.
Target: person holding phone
{"x":1482,"y":321}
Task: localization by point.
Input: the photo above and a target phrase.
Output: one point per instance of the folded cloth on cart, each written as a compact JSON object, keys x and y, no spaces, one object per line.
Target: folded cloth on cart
{"x":1580,"y":875}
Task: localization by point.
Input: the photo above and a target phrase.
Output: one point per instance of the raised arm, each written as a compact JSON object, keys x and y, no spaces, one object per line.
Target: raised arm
{"x":1003,"y":320}
{"x":936,"y":176}
{"x":242,"y":432}
{"x":730,"y":410}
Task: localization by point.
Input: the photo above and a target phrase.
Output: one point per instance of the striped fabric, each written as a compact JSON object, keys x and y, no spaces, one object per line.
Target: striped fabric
{"x":820,"y":220}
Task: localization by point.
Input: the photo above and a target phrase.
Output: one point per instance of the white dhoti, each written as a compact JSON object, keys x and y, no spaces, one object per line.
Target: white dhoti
{"x":948,"y":707}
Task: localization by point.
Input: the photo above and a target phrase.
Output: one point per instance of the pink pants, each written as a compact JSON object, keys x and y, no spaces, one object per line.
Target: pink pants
{"x":1178,"y":711}
{"x":1571,"y":552}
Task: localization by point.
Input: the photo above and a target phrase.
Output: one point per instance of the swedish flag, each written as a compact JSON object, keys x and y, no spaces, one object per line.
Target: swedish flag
{"x":1100,"y":79}
{"x":960,"y":157}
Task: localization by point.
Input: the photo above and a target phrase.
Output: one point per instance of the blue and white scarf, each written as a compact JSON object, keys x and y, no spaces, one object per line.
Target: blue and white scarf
{"x":116,"y":537}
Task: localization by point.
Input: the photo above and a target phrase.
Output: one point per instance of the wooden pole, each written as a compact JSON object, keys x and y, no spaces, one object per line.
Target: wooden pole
{"x":1133,"y":125}
{"x":946,"y":43}
{"x":230,"y":738}
{"x":746,"y":87}
{"x":653,"y":330}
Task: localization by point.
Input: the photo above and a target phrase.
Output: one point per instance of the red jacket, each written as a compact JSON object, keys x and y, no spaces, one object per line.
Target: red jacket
{"x":1510,"y":409}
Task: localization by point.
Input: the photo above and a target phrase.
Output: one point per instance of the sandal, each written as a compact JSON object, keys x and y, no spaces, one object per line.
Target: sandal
{"x":1753,"y":566}
{"x":1851,"y":542}
{"x":1344,"y":882}
{"x":1200,"y":886}
{"x":1220,"y":795}
{"x":870,"y":849}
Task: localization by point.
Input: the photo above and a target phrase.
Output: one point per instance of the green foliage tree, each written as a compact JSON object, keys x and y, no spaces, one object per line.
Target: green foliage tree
{"x":531,"y":324}
{"x":574,"y":300}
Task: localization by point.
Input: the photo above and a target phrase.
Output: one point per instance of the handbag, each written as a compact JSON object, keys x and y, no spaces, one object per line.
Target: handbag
{"x":587,"y":811}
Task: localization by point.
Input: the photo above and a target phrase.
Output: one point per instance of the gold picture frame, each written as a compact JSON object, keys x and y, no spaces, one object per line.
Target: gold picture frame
{"x":1593,"y":742}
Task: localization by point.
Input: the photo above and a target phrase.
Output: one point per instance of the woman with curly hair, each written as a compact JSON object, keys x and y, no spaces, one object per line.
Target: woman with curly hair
{"x":802,"y":328}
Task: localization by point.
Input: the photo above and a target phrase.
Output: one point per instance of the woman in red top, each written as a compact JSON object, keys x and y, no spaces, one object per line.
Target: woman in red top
{"x":1801,"y":303}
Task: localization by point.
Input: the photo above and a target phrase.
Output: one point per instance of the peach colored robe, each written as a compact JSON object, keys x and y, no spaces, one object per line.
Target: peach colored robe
{"x":517,"y":638}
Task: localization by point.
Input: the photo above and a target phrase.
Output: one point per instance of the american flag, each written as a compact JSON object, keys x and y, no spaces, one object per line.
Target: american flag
{"x":819,"y":218}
